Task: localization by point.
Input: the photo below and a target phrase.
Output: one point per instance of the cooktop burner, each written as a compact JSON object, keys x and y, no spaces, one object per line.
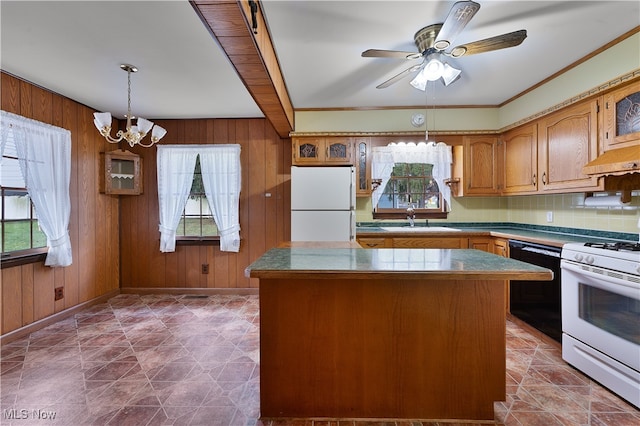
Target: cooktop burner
{"x":620,"y":246}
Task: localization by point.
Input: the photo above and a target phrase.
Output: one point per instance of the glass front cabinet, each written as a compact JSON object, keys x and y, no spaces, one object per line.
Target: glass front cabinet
{"x":322,"y":151}
{"x":622,"y":117}
{"x":121,"y":173}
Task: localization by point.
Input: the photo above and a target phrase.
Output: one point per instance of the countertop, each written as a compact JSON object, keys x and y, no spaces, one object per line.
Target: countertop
{"x":358,"y":263}
{"x":553,"y":236}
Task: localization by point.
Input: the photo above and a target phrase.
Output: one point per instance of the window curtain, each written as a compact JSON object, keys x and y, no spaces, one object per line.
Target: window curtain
{"x":44,"y":155}
{"x":175,"y":166}
{"x":438,"y":154}
{"x":221,"y":174}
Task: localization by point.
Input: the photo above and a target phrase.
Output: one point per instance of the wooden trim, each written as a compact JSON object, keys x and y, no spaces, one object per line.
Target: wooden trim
{"x":39,"y":325}
{"x":196,"y":291}
{"x":610,"y":85}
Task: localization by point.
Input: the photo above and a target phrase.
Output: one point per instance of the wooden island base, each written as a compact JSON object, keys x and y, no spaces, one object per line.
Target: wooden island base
{"x":381,"y":348}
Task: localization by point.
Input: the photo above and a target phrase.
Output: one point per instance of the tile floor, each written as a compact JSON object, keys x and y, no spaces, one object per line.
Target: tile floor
{"x":188,"y":360}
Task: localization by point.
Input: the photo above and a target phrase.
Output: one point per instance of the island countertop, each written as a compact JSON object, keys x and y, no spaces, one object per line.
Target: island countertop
{"x":357,"y":263}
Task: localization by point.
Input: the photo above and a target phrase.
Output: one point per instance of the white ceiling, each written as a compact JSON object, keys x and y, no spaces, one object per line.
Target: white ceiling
{"x":74,"y":48}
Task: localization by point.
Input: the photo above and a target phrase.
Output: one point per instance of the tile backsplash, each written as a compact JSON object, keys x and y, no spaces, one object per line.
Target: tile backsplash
{"x":567,"y":211}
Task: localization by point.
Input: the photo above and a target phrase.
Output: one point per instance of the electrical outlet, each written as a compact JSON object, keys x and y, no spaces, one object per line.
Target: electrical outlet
{"x":549,"y":217}
{"x":205,"y":268}
{"x":58,"y":293}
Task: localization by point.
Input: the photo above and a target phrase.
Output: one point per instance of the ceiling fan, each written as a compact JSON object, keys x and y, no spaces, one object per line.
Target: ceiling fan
{"x":433,"y":42}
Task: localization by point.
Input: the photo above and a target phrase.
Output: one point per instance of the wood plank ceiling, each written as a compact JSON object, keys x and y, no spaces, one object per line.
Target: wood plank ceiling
{"x":252,"y":54}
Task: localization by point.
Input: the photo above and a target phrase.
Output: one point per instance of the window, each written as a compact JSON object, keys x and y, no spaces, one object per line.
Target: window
{"x":20,"y":233}
{"x":411,"y":175}
{"x":218,"y":179}
{"x":197,"y":220}
{"x":411,"y":185}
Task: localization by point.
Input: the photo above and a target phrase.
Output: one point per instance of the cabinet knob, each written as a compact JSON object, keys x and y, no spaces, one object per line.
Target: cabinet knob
{"x":544,"y":178}
{"x":533,"y":182}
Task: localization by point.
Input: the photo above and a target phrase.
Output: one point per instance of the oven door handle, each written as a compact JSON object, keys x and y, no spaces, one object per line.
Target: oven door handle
{"x":624,"y":284}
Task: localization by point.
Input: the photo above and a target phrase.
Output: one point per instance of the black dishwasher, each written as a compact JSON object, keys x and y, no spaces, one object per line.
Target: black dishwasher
{"x":537,"y":302}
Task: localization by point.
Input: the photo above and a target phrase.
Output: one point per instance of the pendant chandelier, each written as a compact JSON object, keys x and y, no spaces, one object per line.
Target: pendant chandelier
{"x":132,"y":134}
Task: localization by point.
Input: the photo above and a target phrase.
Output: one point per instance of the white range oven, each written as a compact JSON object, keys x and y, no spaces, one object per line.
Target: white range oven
{"x":601,"y":313}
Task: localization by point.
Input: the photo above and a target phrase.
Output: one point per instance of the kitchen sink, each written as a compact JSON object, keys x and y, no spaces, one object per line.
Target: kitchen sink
{"x":418,"y":229}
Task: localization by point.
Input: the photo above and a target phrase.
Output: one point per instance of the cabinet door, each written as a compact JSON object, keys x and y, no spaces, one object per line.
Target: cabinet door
{"x":363,"y":167}
{"x":622,"y":117}
{"x":481,"y":243}
{"x":121,"y":173}
{"x":308,"y":150}
{"x":567,"y":140}
{"x":433,"y":242}
{"x":338,"y":150}
{"x":521,"y":160}
{"x":481,"y":165}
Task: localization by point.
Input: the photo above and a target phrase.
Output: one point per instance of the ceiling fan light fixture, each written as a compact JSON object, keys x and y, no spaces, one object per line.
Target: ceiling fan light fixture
{"x":450,"y":74}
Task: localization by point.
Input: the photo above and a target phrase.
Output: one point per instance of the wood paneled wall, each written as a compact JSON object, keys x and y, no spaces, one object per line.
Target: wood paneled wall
{"x":28,"y":290}
{"x":116,"y":241}
{"x":264,"y":219}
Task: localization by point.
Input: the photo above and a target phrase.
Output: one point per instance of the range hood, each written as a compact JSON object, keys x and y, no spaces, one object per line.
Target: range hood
{"x":616,"y":162}
{"x":620,"y":170}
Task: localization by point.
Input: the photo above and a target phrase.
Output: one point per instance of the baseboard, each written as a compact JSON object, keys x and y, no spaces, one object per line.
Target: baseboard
{"x":40,"y":324}
{"x":180,"y":290}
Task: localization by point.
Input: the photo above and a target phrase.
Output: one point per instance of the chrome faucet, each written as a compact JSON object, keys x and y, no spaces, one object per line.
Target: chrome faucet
{"x":411,"y":216}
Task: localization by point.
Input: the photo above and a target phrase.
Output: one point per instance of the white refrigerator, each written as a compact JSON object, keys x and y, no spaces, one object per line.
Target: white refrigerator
{"x":323,"y":201}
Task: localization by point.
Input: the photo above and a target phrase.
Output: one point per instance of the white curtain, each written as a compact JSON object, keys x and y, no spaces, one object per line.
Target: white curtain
{"x":221,"y":176}
{"x":44,"y":155}
{"x":438,"y":154}
{"x":175,"y":165}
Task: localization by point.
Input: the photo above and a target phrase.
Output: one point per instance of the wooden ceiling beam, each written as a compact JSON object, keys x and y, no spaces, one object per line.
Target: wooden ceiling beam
{"x":252,"y":55}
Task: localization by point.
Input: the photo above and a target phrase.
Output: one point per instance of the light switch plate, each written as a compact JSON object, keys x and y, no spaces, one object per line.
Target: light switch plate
{"x":549,"y":217}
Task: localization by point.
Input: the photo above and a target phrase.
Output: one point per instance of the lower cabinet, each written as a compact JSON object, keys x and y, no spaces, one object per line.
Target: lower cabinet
{"x":413,"y":242}
{"x":368,"y":242}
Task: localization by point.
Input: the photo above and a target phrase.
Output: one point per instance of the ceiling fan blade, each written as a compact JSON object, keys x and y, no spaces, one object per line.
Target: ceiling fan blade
{"x":458,"y":18}
{"x":399,"y":76}
{"x":489,"y":44}
{"x":377,"y":53}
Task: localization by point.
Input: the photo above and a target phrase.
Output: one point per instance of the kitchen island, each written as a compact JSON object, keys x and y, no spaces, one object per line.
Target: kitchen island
{"x":383,"y":333}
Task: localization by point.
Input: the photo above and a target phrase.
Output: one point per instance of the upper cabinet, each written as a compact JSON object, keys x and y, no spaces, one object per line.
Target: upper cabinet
{"x":322,"y":151}
{"x":482,"y":168}
{"x":362,"y":147}
{"x":521,"y":160}
{"x":621,"y":121}
{"x":567,"y":140}
{"x":120,"y":173}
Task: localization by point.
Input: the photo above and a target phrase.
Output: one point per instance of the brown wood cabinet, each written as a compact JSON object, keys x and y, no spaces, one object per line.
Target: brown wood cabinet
{"x":567,"y":140}
{"x":322,"y":151}
{"x":414,"y":242}
{"x":482,"y":165}
{"x":621,"y":122}
{"x":121,"y":173}
{"x":521,"y":160}
{"x":362,"y":147}
{"x":481,"y":243}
